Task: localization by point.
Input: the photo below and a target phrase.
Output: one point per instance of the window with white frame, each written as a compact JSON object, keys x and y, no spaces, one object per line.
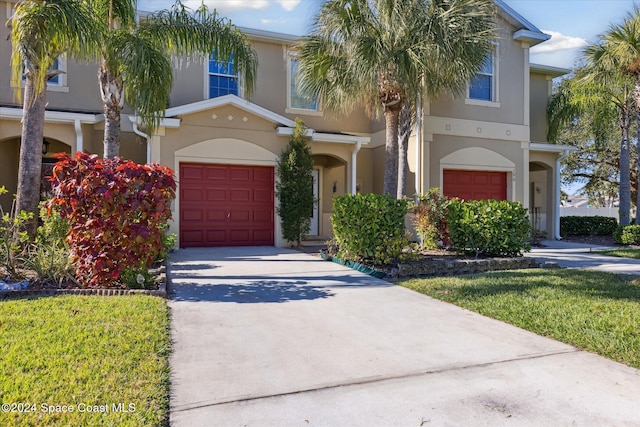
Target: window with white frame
{"x":483,"y":85}
{"x":296,"y":100}
{"x":57,"y":82}
{"x":222,"y":80}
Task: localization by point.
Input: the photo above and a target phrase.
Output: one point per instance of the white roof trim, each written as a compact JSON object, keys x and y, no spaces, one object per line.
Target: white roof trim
{"x":229,"y":100}
{"x":554,"y":148}
{"x":167,"y":123}
{"x":334,"y":138}
{"x":53,"y":116}
{"x":531,"y":37}
{"x":549,"y":70}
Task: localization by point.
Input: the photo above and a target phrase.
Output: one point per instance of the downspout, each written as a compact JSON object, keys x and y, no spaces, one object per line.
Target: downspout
{"x":354,"y":169}
{"x":418,"y":160}
{"x":557,"y":204}
{"x":78,"y":128}
{"x":145,"y":136}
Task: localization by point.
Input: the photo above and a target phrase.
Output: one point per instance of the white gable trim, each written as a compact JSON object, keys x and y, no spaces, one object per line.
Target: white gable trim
{"x":233,"y":100}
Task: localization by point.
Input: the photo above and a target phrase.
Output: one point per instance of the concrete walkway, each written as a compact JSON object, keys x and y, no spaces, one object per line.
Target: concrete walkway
{"x":273,"y":337}
{"x":583,"y":256}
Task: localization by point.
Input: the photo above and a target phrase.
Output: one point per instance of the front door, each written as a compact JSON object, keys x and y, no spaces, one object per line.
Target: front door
{"x":313,"y":229}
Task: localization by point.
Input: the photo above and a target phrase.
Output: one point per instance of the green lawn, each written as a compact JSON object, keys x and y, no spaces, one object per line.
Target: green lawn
{"x":622,"y":253}
{"x":104,"y":358}
{"x":598,"y":312}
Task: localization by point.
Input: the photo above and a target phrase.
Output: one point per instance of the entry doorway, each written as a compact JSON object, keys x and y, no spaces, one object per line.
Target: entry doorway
{"x":313,"y":229}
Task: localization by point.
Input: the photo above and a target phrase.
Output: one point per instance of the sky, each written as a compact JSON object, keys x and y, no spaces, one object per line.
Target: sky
{"x":572,"y":24}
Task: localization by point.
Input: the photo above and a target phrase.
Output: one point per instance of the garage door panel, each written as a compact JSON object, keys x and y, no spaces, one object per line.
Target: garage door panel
{"x":475,"y":185}
{"x":239,"y":195}
{"x":216,"y":195}
{"x":210,"y":192}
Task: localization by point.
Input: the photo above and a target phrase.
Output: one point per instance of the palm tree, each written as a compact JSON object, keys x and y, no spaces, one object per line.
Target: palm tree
{"x":621,"y":49}
{"x":607,"y":94}
{"x":41,"y":31}
{"x":135,"y":58}
{"x":377,"y":53}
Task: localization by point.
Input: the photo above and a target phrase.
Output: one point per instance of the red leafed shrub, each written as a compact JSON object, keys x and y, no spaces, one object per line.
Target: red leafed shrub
{"x":118,"y":211}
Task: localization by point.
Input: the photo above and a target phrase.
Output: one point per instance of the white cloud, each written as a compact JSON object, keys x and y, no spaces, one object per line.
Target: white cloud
{"x":559,"y":42}
{"x":272,"y":21}
{"x":230,"y":4}
{"x":288,"y":5}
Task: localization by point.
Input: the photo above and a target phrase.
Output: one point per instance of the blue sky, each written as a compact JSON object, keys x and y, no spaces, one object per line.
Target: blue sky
{"x":571,"y":23}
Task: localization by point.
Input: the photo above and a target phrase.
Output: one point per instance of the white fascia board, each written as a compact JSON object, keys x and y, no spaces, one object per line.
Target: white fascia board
{"x":51,"y":116}
{"x":531,"y":37}
{"x":269,"y":36}
{"x":554,"y":148}
{"x":332,"y":138}
{"x":340,"y":139}
{"x":167,"y":123}
{"x":549,"y":70}
{"x":287,"y":131}
{"x":229,"y":100}
{"x":515,"y":16}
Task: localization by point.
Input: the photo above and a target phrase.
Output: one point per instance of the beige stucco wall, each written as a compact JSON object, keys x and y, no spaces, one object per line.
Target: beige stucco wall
{"x":540,"y":91}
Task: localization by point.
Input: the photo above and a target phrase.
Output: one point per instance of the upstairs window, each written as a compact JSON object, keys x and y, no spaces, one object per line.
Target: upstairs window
{"x":222,"y":79}
{"x":59,"y":81}
{"x":296,"y":100}
{"x":482,"y":86}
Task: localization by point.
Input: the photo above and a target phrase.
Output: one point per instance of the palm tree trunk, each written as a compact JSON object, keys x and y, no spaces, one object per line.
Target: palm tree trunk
{"x":404,"y":130}
{"x":391,"y":118}
{"x":625,"y":183}
{"x":112,"y":102}
{"x":637,"y":168}
{"x":30,"y":163}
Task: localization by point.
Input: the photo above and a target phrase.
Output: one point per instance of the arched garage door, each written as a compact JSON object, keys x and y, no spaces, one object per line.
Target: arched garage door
{"x":474,"y":185}
{"x":226,"y":205}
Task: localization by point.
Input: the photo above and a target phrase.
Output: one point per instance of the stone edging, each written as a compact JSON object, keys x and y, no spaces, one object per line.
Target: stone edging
{"x":161,"y":280}
{"x":454,"y":267}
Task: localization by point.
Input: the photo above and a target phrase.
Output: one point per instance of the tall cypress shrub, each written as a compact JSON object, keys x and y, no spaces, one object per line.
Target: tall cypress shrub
{"x":294,"y":187}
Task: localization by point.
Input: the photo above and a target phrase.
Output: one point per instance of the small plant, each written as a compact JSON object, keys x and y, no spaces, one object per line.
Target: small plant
{"x":537,"y":236}
{"x":49,"y":256}
{"x":430,"y":219}
{"x":169,"y":242}
{"x":13,"y":237}
{"x":137,"y":278}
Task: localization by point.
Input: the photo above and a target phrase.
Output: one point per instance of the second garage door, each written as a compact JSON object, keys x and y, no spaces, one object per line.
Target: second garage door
{"x":226,"y":205}
{"x":474,"y":185}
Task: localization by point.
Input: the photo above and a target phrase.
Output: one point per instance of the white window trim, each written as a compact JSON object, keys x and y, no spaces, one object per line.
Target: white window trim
{"x":205,"y":94}
{"x":495,"y":103}
{"x":61,"y":85}
{"x":291,"y":110}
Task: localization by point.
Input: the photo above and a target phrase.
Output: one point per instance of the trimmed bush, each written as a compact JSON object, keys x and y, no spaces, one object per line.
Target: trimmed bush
{"x":430,"y":219}
{"x":627,"y":235}
{"x":369,"y":228}
{"x":488,"y":227}
{"x":118,"y":211}
{"x":587,"y":225}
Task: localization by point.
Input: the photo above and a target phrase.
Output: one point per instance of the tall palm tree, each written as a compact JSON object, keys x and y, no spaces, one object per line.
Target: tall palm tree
{"x":621,"y":49}
{"x":135,"y":58}
{"x":377,"y":53}
{"x":607,"y":94}
{"x":40,"y":32}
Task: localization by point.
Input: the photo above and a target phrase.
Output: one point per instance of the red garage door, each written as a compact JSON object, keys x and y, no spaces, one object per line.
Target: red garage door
{"x":226,"y":205}
{"x":475,"y":185}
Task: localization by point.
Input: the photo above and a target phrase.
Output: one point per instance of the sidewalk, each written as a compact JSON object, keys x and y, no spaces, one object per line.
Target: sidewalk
{"x":583,"y":256}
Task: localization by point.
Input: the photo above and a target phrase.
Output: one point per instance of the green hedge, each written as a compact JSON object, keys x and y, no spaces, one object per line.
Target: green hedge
{"x":369,"y":227}
{"x":587,"y":226}
{"x":488,"y":227}
{"x":627,"y":235}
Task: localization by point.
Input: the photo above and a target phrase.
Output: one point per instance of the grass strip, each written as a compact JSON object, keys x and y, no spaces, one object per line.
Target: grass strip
{"x":622,"y":253}
{"x":84,"y":360}
{"x":594,"y":311}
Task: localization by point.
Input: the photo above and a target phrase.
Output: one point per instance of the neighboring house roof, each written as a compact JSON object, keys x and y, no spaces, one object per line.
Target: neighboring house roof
{"x":548,"y":70}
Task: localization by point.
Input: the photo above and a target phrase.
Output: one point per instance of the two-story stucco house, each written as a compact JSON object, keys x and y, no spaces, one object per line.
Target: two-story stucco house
{"x":488,"y":143}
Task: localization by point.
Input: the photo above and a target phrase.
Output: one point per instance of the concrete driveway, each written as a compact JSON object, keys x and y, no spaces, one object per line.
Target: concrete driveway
{"x":274,"y":337}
